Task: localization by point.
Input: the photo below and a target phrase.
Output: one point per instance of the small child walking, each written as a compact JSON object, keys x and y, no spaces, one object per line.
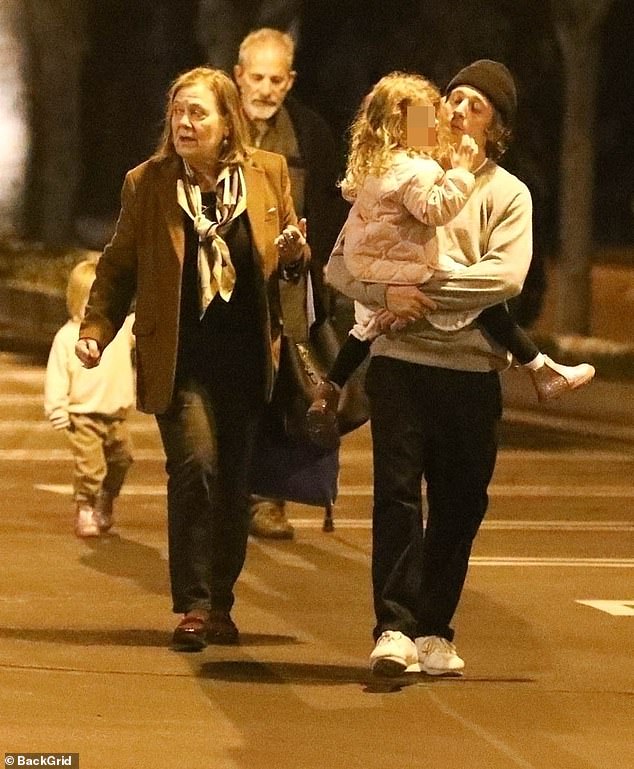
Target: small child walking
{"x":400,"y":195}
{"x":91,"y":406}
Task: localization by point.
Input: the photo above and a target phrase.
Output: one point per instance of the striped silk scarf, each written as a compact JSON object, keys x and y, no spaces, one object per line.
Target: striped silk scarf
{"x":216,"y":273}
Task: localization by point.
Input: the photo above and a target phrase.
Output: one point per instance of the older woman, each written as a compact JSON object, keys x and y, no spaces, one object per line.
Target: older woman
{"x":206,"y":227}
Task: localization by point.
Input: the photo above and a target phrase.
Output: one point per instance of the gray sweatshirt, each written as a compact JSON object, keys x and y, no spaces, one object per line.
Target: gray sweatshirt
{"x":492,"y":238}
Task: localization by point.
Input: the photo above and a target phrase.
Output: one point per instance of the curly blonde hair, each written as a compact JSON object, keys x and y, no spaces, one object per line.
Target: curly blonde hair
{"x":379,"y":128}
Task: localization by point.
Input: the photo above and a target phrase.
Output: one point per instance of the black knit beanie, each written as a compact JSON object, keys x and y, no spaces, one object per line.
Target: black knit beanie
{"x":494,"y":80}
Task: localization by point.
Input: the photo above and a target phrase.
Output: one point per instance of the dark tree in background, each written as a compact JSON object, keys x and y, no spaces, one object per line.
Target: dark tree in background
{"x":221,"y":25}
{"x":136,"y":50}
{"x":614,"y":132}
{"x":57,"y":43}
{"x":578,"y":25}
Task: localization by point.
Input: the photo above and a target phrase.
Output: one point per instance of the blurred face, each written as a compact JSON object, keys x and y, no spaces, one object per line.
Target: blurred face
{"x":420,"y":127}
{"x":197,"y":127}
{"x":468,"y":111}
{"x":263,"y":81}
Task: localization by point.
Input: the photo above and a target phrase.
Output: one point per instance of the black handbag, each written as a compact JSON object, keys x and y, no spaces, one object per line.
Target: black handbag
{"x":303,"y":365}
{"x":287,"y":465}
{"x":295,"y":471}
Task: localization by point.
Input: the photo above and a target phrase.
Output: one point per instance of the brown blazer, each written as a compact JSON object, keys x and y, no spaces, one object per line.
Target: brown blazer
{"x":144,"y":260}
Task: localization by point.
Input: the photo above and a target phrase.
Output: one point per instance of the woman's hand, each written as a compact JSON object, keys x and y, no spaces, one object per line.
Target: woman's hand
{"x":290,"y":243}
{"x":408,"y":302}
{"x":88,"y":352}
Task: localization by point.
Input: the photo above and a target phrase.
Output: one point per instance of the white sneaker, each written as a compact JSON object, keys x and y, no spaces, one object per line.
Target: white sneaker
{"x":393,"y":654}
{"x":438,"y":657}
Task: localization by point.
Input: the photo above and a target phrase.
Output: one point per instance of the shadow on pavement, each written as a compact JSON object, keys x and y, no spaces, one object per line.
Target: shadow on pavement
{"x":304,"y":674}
{"x":248,"y":671}
{"x":83,"y":637}
{"x":120,"y":557}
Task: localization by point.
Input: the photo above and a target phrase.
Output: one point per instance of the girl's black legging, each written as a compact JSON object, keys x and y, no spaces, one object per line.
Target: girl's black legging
{"x":498,"y":322}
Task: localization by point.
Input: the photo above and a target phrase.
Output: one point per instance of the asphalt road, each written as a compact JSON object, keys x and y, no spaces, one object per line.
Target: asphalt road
{"x":545,"y":624}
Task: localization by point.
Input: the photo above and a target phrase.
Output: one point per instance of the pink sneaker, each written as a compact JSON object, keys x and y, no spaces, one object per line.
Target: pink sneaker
{"x":86,"y":523}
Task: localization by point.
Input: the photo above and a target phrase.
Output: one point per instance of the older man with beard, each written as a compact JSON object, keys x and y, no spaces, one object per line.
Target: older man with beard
{"x":279,"y":123}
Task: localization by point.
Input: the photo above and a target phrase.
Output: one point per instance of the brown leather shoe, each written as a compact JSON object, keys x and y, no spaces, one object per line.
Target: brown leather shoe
{"x":190,"y":634}
{"x":321,"y":417}
{"x":221,"y":628}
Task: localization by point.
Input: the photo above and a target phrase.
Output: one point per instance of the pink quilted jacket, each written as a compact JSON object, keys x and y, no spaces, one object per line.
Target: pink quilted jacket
{"x":391,"y":227}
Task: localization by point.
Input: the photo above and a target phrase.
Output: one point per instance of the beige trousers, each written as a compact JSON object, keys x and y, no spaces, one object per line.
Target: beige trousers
{"x":102,"y":454}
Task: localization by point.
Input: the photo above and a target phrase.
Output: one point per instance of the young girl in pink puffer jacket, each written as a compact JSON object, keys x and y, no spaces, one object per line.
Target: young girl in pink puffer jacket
{"x":400,"y":195}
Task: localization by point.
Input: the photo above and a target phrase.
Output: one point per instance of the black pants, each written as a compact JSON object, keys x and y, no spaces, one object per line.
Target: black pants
{"x":439,"y":425}
{"x":209,"y":447}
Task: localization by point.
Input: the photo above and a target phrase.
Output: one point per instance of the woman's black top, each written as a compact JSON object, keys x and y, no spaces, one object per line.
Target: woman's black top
{"x":224,"y":348}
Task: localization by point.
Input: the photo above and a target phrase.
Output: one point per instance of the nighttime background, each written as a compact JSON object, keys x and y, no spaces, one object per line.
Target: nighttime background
{"x":83,"y":84}
{"x":135,"y":49}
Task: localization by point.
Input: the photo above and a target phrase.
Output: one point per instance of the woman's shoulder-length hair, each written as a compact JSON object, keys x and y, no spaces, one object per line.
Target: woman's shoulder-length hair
{"x":225,"y":91}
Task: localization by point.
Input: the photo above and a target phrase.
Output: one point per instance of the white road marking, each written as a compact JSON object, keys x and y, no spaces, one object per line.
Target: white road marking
{"x":61,"y":455}
{"x":284,"y":557}
{"x":21,"y":399}
{"x":615,"y":608}
{"x":495,"y":490}
{"x":364,"y":523}
{"x":524,"y":490}
{"x":520,"y":525}
{"x":548,"y":490}
{"x":259,"y":585}
{"x":13,"y":426}
{"x":491,"y":525}
{"x":130,"y":490}
{"x":600,"y":563}
{"x":481,"y":733}
{"x":352,"y":456}
{"x":153,"y":490}
{"x":572,"y":455}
